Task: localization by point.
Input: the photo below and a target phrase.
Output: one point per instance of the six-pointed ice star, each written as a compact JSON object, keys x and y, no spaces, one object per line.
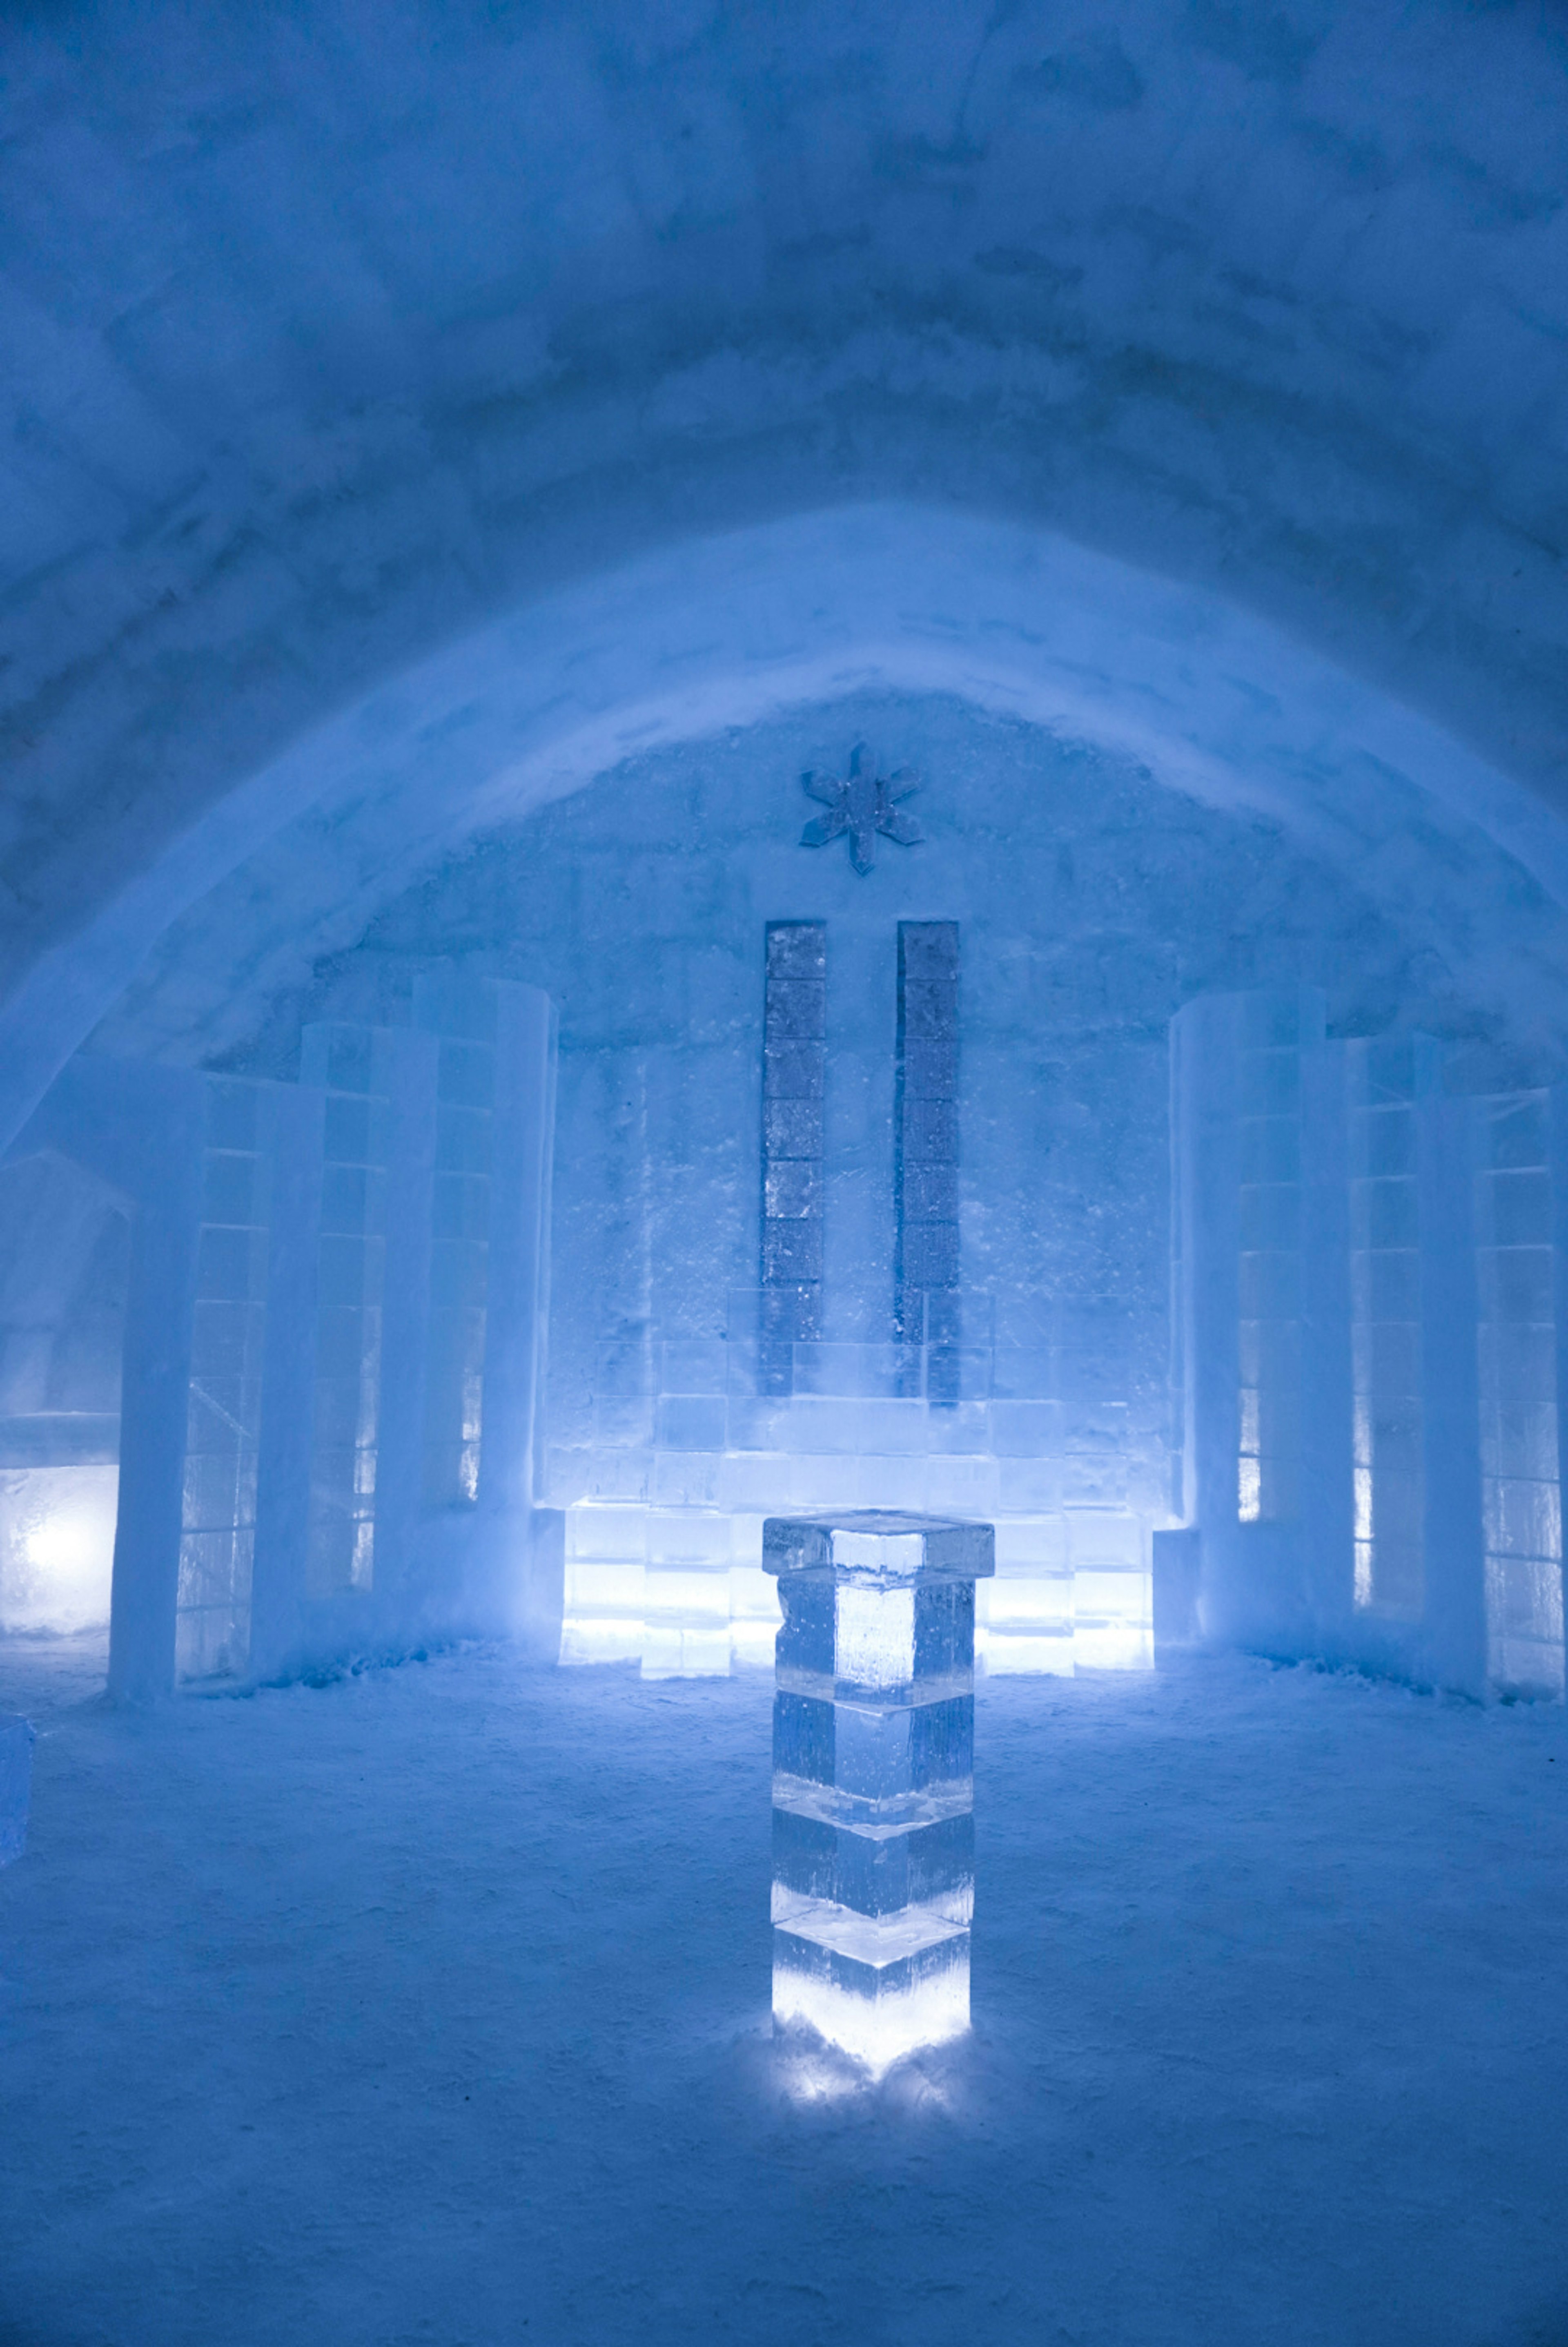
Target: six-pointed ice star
{"x":866,"y":804}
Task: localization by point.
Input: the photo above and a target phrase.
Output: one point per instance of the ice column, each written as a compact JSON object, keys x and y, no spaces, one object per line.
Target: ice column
{"x":1387,"y":1077}
{"x":223,"y":1177}
{"x":1519,"y":1200}
{"x":1458,"y":1516}
{"x":372,"y":1330}
{"x":794,"y":1052}
{"x":463,"y":1015}
{"x":873,"y":1742}
{"x":1250,"y":1201}
{"x":926,"y":1163}
{"x":252,"y":1349}
{"x":489,"y":1295}
{"x":141,"y":1130}
{"x":16,"y":1784}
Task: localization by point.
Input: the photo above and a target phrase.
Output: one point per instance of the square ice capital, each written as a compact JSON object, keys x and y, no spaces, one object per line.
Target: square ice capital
{"x":849,"y":1638}
{"x":15,"y":1783}
{"x":880,"y":1546}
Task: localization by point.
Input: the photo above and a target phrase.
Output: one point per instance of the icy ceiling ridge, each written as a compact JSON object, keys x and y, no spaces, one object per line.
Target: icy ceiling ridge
{"x":733,"y":631}
{"x":334,"y":334}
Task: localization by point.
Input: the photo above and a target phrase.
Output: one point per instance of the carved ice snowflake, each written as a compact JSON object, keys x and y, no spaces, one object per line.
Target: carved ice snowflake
{"x":864,"y":805}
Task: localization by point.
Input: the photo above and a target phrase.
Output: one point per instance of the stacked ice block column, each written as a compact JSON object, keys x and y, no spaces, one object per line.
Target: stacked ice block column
{"x":873,"y":1760}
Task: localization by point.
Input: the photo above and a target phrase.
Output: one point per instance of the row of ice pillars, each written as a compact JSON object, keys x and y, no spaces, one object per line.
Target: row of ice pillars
{"x":329,"y":1282}
{"x":1371,"y":1370}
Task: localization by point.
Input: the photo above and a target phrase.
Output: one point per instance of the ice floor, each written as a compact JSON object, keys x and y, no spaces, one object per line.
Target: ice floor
{"x":432,"y":2005}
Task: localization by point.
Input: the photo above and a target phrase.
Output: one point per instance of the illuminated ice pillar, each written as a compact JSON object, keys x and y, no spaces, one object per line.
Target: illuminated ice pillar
{"x":873,"y":1784}
{"x":490,"y":1284}
{"x":1250,"y":1255}
{"x":373,"y":1332}
{"x":142,"y":1130}
{"x":222,"y":1175}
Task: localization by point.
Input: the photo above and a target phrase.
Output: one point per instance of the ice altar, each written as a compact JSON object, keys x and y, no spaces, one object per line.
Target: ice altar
{"x":873,"y":1776}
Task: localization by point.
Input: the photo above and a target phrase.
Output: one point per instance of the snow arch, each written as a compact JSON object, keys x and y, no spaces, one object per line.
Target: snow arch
{"x":724,"y":632}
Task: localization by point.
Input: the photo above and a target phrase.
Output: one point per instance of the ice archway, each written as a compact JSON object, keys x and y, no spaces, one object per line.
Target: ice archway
{"x":460,"y":460}
{"x":726,"y":631}
{"x":715,"y":653}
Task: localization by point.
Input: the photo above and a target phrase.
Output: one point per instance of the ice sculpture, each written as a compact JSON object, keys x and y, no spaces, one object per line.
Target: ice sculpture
{"x":1009,"y":1408}
{"x":873,"y":1757}
{"x":862,"y":809}
{"x":16,"y":1784}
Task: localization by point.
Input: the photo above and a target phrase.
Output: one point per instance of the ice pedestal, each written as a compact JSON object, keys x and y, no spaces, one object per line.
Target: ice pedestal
{"x":873,"y":1776}
{"x":15,"y":1783}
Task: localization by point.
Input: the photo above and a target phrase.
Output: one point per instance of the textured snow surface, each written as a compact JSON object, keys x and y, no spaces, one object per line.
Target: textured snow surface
{"x":432,"y":2005}
{"x":334,"y":330}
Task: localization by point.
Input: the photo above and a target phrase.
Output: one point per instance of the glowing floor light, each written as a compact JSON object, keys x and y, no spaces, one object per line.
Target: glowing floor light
{"x":873,"y":1777}
{"x":56,"y":1547}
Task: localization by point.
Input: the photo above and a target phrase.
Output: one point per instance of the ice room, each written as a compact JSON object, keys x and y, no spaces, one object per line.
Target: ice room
{"x":783,"y":1174}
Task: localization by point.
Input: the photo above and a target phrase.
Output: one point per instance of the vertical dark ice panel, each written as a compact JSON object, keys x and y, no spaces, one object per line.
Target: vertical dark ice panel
{"x":794,"y":1050}
{"x":925,"y":1164}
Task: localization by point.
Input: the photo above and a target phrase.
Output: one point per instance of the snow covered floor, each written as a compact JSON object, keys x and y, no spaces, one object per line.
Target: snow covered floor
{"x":432,"y":2005}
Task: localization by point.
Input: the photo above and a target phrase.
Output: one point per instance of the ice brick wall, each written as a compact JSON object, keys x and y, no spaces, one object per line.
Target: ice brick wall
{"x":353,"y":1275}
{"x":464,"y":1020}
{"x":217,"y":1523}
{"x":662,"y":1554}
{"x":373,"y":1327}
{"x":1384,"y":1082}
{"x":1089,"y":903}
{"x":1521,"y":1389}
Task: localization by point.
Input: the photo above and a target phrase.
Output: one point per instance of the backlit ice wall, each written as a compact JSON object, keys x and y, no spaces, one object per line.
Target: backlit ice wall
{"x":616,"y":410}
{"x":1085,"y":903}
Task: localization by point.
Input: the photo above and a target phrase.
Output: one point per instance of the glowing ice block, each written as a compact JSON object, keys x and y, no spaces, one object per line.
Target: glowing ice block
{"x":873,"y":1776}
{"x":15,"y":1783}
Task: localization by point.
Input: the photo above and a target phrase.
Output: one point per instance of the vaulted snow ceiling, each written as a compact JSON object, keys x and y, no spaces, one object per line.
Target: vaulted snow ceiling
{"x":442,"y":399}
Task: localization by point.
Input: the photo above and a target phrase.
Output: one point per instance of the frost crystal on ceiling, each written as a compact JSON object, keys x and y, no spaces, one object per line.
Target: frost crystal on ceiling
{"x":862,"y":807}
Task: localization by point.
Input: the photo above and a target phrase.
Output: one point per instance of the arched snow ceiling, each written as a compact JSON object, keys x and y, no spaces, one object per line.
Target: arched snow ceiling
{"x":335,"y":334}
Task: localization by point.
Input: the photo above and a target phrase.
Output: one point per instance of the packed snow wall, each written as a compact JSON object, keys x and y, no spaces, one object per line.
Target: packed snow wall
{"x":335,"y":336}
